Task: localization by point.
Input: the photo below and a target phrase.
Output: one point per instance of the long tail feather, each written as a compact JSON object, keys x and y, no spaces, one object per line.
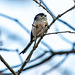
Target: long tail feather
{"x":29,"y":44}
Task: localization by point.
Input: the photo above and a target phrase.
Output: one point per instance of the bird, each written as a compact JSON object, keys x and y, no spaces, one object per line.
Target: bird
{"x":39,"y":25}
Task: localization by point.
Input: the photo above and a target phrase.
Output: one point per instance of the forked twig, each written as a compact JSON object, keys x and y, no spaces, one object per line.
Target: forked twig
{"x":35,"y":46}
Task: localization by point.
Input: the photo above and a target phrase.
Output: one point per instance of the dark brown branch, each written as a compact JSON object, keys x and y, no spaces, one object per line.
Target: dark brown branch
{"x":61,"y":15}
{"x":67,"y":11}
{"x":44,"y":8}
{"x":60,"y":32}
{"x":35,"y":46}
{"x":64,"y":52}
{"x":29,"y":56}
{"x":48,"y":58}
{"x":6,"y":64}
{"x":45,"y":60}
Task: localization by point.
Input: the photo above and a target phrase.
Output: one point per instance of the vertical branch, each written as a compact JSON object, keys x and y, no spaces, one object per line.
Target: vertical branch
{"x":29,"y":56}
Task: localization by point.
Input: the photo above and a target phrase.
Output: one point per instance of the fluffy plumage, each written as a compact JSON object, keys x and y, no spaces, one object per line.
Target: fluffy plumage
{"x":38,"y":27}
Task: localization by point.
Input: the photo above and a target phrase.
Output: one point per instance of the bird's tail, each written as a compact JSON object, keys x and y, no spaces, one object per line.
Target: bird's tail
{"x":26,"y":47}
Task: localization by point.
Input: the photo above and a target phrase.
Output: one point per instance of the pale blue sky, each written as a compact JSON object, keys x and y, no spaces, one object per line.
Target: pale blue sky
{"x":25,"y":11}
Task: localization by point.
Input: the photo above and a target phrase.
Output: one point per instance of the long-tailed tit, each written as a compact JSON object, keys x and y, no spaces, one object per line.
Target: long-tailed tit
{"x":38,"y":27}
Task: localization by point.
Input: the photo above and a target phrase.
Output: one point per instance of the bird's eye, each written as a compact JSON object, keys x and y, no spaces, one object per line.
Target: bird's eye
{"x":45,"y":15}
{"x":41,"y":15}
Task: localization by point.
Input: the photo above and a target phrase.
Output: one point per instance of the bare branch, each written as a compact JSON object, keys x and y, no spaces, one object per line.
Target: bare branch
{"x":48,"y":58}
{"x":64,"y":22}
{"x":44,"y":8}
{"x":35,"y":46}
{"x":67,"y":10}
{"x":6,"y":64}
{"x":60,"y":32}
{"x":29,"y":56}
{"x":61,"y":15}
{"x":43,"y":61}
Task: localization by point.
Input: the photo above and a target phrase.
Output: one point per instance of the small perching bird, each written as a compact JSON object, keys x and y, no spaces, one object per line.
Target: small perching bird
{"x":38,"y":27}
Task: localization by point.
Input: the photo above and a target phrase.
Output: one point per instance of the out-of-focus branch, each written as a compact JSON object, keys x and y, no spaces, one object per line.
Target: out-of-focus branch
{"x":49,"y":58}
{"x":73,"y":46}
{"x":2,"y":59}
{"x":16,"y":21}
{"x":39,"y":56}
{"x":59,"y":53}
{"x":8,"y":50}
{"x":43,"y":61}
{"x":57,"y":65}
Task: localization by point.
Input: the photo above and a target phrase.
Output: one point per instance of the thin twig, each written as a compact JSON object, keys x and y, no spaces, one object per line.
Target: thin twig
{"x":6,"y":64}
{"x":59,"y":32}
{"x":44,"y":8}
{"x":67,"y":10}
{"x":54,"y":53}
{"x":48,"y":58}
{"x":61,"y":15}
{"x":64,"y":22}
{"x":43,"y":61}
{"x":29,"y":56}
{"x":35,"y":46}
{"x":5,"y":69}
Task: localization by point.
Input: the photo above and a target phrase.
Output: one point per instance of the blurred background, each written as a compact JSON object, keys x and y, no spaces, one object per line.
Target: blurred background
{"x":16,"y":18}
